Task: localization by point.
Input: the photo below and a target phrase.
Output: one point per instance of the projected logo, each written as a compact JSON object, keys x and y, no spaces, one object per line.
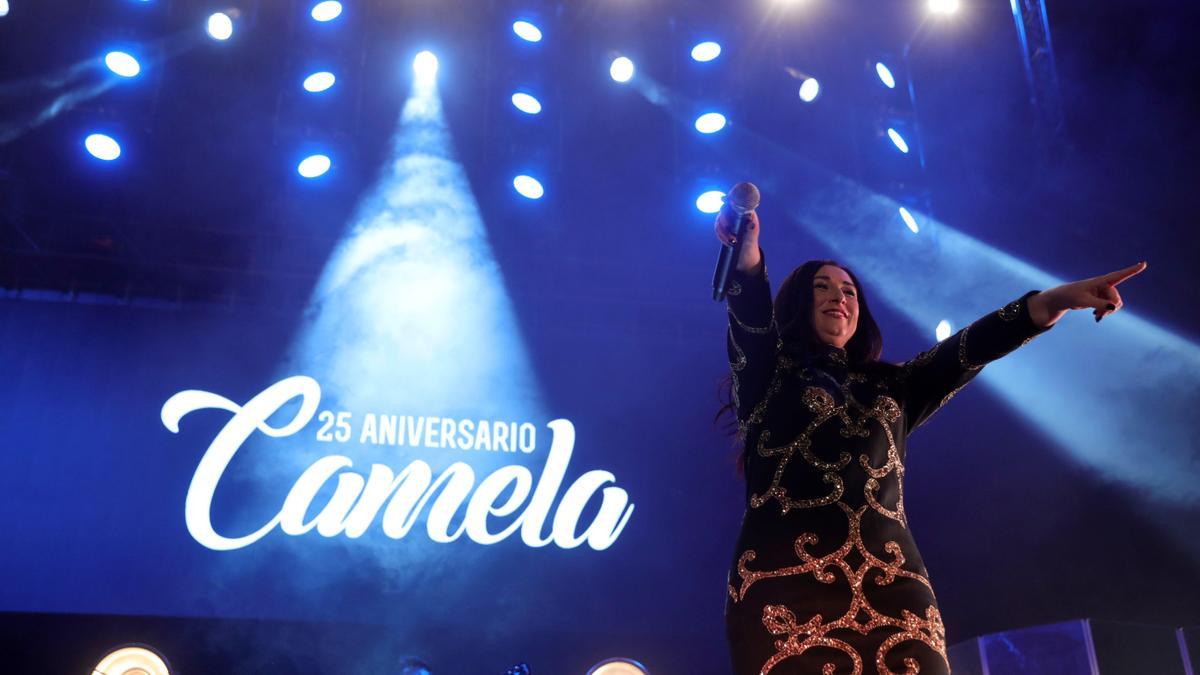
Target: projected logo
{"x":496,"y":507}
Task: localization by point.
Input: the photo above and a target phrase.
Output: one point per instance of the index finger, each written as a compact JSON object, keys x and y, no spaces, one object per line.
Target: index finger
{"x":1114,"y":278}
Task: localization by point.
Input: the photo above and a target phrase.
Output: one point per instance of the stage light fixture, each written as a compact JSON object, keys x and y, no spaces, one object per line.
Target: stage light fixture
{"x":327,"y":11}
{"x":618,"y":666}
{"x":319,"y":81}
{"x":711,"y":201}
{"x":706,"y":51}
{"x":526,"y":103}
{"x":527,"y":31}
{"x":885,"y":75}
{"x":943,"y":330}
{"x":132,"y":660}
{"x":3,"y":7}
{"x":909,"y":220}
{"x":102,"y":147}
{"x":943,"y":6}
{"x":809,"y":90}
{"x":122,"y":64}
{"x":220,"y":26}
{"x":710,"y":123}
{"x":425,"y":65}
{"x":621,"y":69}
{"x":528,"y":187}
{"x":314,"y":166}
{"x":898,"y":140}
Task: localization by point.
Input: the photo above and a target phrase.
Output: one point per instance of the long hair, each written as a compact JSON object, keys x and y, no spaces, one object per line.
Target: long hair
{"x":793,"y":310}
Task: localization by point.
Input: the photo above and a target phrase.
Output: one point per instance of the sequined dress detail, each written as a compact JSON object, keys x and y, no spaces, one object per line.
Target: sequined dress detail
{"x":826,"y":576}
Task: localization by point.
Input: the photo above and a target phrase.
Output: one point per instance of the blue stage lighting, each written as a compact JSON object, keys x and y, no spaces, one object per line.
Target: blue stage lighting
{"x":220,"y":26}
{"x":327,"y":11}
{"x":621,"y":69}
{"x":706,"y":51}
{"x":710,"y":123}
{"x":943,"y":330}
{"x":527,"y":31}
{"x":102,"y":147}
{"x":314,"y":166}
{"x":528,"y":187}
{"x":526,"y":103}
{"x":885,"y":75}
{"x":711,"y":201}
{"x":809,"y":90}
{"x":909,"y":220}
{"x":898,"y":140}
{"x":425,"y":65}
{"x":320,"y":81}
{"x":122,"y":64}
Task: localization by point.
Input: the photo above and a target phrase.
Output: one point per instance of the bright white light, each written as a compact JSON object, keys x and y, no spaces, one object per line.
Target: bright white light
{"x":898,"y":140}
{"x":425,"y":65}
{"x":102,"y":147}
{"x":710,"y":123}
{"x":909,"y":220}
{"x":313,"y":166}
{"x":809,"y":90}
{"x":526,"y":103}
{"x":122,"y":64}
{"x":618,"y":666}
{"x":528,"y":187}
{"x":621,"y":69}
{"x":885,"y":75}
{"x":711,"y":201}
{"x":706,"y":51}
{"x":3,"y":7}
{"x":318,"y":82}
{"x":327,"y":11}
{"x":220,"y":26}
{"x":131,"y":660}
{"x":943,"y":330}
{"x":527,"y":31}
{"x":943,"y":6}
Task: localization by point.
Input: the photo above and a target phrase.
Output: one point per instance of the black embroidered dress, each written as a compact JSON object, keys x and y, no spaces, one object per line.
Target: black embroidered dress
{"x":826,"y":577}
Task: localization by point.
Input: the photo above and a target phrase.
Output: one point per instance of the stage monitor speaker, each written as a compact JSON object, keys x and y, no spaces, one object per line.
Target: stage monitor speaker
{"x":1080,"y":647}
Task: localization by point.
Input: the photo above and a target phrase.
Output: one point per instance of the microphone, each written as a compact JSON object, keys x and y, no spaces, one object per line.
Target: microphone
{"x":741,"y":201}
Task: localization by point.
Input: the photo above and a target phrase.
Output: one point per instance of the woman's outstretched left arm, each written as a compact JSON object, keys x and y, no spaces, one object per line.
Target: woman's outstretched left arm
{"x":930,"y":380}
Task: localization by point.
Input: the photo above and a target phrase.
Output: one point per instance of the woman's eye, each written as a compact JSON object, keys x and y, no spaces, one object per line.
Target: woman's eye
{"x":850,"y":293}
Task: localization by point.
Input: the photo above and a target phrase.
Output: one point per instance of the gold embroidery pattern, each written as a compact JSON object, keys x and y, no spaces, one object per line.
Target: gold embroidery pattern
{"x":755,"y":330}
{"x":962,"y":351}
{"x":780,"y":620}
{"x":1010,"y":311}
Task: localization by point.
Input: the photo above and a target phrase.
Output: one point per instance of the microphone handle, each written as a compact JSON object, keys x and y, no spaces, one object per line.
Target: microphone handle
{"x":729,"y":255}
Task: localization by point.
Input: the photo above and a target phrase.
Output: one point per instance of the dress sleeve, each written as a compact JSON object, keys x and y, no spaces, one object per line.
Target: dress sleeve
{"x":932,"y":378}
{"x":751,"y":341}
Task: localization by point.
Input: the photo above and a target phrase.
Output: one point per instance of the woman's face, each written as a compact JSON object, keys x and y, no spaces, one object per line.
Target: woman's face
{"x":835,"y":306}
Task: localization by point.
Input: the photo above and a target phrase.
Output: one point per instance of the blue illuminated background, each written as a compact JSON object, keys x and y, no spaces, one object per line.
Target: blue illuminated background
{"x":523,"y":233}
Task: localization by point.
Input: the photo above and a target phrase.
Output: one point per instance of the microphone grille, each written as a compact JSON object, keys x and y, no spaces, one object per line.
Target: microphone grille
{"x":743,"y":197}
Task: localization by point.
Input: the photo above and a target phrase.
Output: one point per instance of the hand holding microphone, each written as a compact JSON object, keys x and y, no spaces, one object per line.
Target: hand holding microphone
{"x":737,"y":229}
